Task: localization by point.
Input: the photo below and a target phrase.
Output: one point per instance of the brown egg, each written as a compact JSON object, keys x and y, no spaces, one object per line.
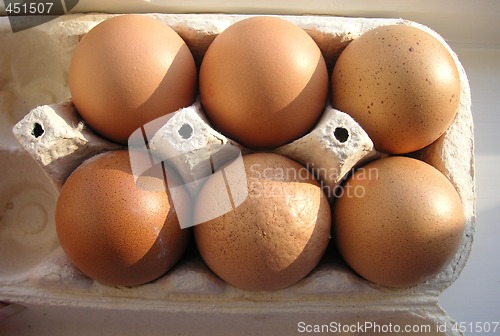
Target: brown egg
{"x":112,"y":230}
{"x":400,"y":84}
{"x":398,"y":221}
{"x":276,"y":236}
{"x":263,"y":82}
{"x":129,"y":70}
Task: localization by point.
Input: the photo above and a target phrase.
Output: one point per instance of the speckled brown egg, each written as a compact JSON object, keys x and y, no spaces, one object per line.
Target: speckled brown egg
{"x":263,"y":82}
{"x":276,"y":236}
{"x":400,"y":83}
{"x":398,"y":221}
{"x":129,"y":70}
{"x":114,"y":231}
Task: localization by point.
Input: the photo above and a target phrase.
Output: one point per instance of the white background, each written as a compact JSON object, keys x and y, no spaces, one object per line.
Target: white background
{"x":475,"y":296}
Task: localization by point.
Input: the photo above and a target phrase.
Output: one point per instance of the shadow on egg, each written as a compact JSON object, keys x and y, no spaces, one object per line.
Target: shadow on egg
{"x":312,"y":98}
{"x":180,"y":82}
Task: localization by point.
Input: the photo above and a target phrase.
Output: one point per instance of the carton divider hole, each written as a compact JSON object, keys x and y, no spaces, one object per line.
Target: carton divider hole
{"x":37,"y":130}
{"x":186,"y":131}
{"x":341,"y":134}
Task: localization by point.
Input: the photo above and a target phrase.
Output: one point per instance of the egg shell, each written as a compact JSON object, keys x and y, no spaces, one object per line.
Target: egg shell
{"x":400,"y":84}
{"x":112,"y":229}
{"x":130,"y":70}
{"x":398,"y":221}
{"x":276,"y":236}
{"x":263,"y":82}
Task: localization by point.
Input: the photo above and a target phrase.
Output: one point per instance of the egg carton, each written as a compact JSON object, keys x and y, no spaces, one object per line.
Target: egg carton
{"x":55,"y":137}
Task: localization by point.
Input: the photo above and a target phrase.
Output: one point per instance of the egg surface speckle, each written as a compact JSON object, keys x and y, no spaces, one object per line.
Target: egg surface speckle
{"x":400,"y":84}
{"x":398,"y":221}
{"x":276,"y":236}
{"x":113,"y":231}
{"x":129,"y":70}
{"x":263,"y":82}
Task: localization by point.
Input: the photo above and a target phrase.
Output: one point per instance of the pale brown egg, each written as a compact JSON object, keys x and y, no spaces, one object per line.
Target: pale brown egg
{"x":129,"y":70}
{"x":401,"y":84}
{"x":398,"y":221}
{"x":263,"y":82}
{"x":114,"y":231}
{"x":276,"y":236}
